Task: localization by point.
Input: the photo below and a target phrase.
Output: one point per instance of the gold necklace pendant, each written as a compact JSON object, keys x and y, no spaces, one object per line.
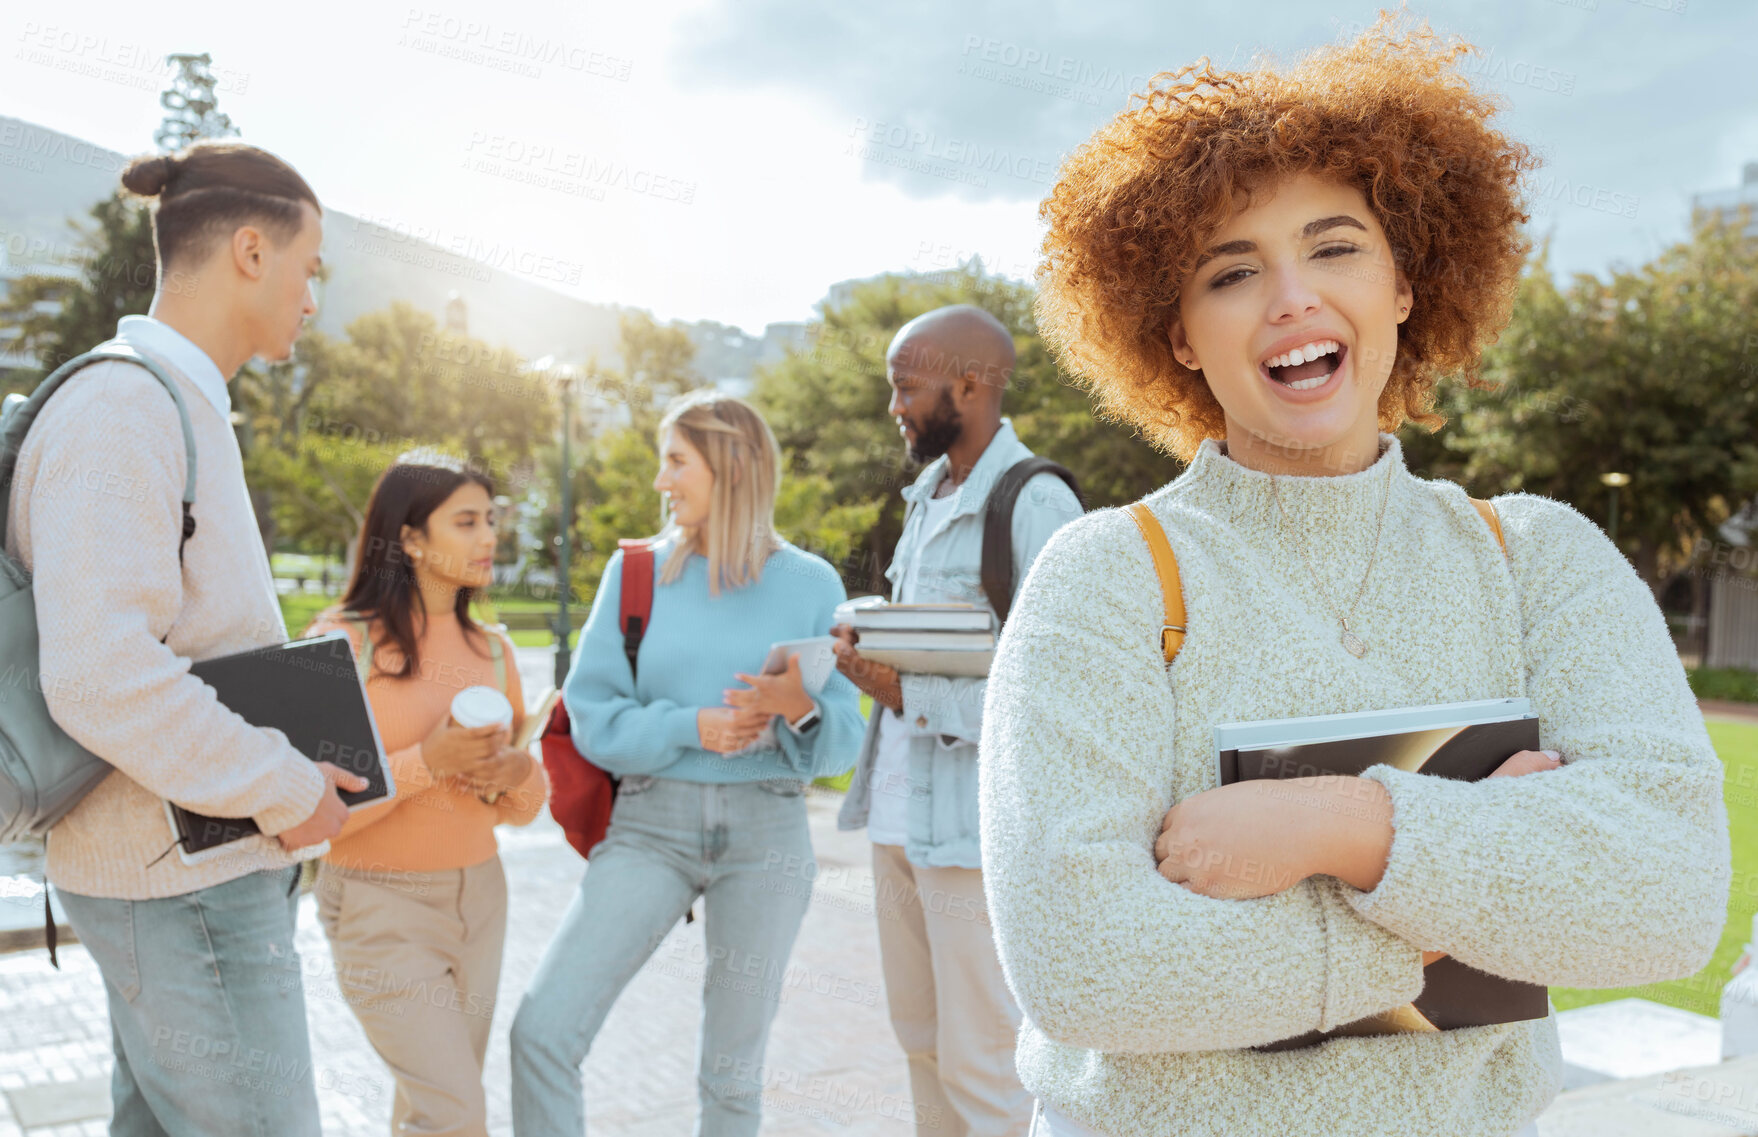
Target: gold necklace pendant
{"x":1351,"y":642}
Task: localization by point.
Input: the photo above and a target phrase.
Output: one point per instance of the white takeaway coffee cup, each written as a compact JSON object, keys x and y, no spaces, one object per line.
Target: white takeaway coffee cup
{"x":481,"y":706}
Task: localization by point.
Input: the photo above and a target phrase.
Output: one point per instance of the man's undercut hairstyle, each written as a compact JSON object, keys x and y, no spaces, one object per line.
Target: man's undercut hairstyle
{"x":1136,"y":205}
{"x":207,"y":190}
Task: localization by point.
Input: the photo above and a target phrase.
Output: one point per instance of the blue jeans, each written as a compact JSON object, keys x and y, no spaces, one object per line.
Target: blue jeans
{"x":207,"y":1011}
{"x":746,"y":849}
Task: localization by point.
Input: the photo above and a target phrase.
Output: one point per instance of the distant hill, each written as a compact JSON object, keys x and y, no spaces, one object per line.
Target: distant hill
{"x":47,"y":178}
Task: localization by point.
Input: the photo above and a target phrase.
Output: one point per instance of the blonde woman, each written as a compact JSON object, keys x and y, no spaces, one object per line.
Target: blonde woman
{"x":411,"y":893}
{"x":1268,"y":272}
{"x":694,"y":816}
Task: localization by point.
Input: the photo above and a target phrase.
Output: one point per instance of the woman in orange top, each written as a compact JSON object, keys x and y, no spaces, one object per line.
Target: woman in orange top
{"x":411,"y":894}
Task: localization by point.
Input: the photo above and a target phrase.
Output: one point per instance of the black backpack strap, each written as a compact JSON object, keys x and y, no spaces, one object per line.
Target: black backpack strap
{"x":635,"y":605}
{"x":997,"y":568}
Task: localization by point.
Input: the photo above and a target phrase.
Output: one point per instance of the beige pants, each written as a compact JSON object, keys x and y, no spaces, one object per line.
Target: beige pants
{"x":954,"y":1016}
{"x":418,"y":958}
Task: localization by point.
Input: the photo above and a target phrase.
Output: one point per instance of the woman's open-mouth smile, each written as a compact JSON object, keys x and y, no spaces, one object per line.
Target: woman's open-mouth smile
{"x":1306,"y":373}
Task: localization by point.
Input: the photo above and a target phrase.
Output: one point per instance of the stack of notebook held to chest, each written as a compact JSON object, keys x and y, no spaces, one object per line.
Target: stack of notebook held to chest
{"x":1464,"y":741}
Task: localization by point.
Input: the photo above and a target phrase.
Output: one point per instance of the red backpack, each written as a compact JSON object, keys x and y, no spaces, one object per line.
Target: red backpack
{"x":582,"y":793}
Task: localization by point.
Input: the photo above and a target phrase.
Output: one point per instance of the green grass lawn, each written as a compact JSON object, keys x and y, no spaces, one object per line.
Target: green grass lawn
{"x":297,"y":610}
{"x":1732,"y":683}
{"x":1738,"y":746}
{"x":537,"y":637}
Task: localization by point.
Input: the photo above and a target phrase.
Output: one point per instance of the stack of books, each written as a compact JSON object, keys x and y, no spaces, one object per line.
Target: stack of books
{"x":936,"y":639}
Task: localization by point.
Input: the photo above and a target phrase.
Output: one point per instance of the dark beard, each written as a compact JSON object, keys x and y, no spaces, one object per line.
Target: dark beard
{"x":936,"y":436}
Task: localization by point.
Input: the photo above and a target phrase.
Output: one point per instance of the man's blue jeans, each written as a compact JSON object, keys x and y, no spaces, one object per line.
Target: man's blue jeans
{"x":747,"y":849}
{"x":207,"y":1010}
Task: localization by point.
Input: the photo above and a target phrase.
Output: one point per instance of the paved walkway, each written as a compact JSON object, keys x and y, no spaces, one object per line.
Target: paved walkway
{"x":1728,"y":711}
{"x":833,"y":1064}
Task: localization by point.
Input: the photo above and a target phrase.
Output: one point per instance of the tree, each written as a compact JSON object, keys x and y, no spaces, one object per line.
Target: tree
{"x":108,"y":272}
{"x":1646,"y":373}
{"x":111,"y":269}
{"x":192,"y":108}
{"x":658,"y":365}
{"x":827,"y":406}
{"x":328,"y":423}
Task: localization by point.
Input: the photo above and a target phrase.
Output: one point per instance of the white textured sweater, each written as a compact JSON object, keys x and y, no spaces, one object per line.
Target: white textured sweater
{"x":1142,"y":997}
{"x":96,"y":512}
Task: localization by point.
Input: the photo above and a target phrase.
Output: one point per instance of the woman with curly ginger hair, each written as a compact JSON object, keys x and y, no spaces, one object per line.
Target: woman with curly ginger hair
{"x":1266,"y":272}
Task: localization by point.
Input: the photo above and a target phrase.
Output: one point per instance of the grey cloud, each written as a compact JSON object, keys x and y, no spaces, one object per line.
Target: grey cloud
{"x":1628,"y":98}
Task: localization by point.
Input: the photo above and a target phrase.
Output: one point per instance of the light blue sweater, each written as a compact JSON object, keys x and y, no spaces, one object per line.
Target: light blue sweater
{"x":693,"y":646}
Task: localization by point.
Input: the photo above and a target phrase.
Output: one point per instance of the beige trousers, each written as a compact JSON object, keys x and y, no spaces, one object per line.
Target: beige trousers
{"x":950,"y":1006}
{"x":418,"y":958}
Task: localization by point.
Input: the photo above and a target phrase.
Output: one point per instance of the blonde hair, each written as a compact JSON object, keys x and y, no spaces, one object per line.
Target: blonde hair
{"x":742,"y":454}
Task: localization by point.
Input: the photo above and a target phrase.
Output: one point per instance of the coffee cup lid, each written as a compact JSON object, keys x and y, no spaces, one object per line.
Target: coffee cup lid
{"x":480,"y":706}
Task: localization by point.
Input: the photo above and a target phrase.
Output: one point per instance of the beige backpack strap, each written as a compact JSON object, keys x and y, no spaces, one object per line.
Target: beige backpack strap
{"x":498,"y":654}
{"x":1171,"y":590}
{"x":365,"y":630}
{"x":1488,"y":513}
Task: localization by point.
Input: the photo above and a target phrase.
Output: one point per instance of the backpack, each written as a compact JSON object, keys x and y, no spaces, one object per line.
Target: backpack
{"x":997,"y":555}
{"x":1172,"y":590}
{"x":43,"y":772}
{"x":582,"y":793}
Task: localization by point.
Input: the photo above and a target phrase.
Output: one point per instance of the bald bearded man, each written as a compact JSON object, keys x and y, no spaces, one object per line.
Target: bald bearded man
{"x":915,"y":781}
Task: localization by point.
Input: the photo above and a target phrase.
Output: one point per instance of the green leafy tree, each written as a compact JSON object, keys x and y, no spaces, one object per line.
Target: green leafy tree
{"x":57,"y":314}
{"x":320,"y":429}
{"x":107,"y":271}
{"x":827,"y":405}
{"x":1647,"y":373}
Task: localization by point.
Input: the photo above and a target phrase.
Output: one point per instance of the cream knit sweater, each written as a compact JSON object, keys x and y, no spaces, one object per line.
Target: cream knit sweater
{"x":96,"y":510}
{"x":1141,"y":996}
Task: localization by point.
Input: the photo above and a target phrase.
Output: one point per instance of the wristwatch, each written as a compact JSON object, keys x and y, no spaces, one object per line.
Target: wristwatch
{"x":807,"y":721}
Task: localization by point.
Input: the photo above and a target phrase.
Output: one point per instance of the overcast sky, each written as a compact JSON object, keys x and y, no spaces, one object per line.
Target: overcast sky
{"x":730,"y":159}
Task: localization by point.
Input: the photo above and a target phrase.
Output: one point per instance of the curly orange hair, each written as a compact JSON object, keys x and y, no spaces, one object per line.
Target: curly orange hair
{"x":1136,"y":204}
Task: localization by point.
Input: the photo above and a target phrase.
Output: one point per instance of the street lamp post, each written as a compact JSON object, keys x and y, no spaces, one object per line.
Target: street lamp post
{"x":1612,"y":481}
{"x":563,"y":627}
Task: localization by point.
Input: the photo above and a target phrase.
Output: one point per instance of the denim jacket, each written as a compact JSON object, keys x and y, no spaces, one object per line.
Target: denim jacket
{"x":944,"y":714}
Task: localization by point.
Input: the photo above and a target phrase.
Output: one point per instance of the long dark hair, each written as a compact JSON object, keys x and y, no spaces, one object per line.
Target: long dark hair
{"x":383,"y":585}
